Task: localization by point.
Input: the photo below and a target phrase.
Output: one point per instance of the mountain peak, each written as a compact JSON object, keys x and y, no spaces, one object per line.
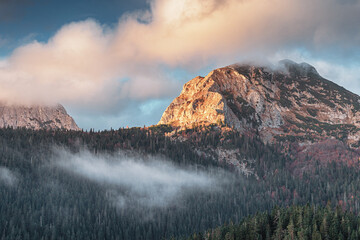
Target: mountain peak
{"x":292,"y":100}
{"x":36,"y":117}
{"x":303,"y":69}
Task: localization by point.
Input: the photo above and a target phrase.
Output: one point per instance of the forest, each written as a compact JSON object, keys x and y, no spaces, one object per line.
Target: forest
{"x":296,"y":222}
{"x":64,"y":185}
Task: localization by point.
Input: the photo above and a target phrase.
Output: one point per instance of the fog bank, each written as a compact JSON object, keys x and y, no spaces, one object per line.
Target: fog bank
{"x":136,"y":180}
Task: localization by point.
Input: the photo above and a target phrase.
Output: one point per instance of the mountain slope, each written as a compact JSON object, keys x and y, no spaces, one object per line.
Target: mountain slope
{"x":36,"y":117}
{"x":296,"y":222}
{"x":287,"y":102}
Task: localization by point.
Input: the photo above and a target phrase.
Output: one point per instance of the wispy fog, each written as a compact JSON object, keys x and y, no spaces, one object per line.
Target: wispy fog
{"x":7,"y":177}
{"x":136,"y":180}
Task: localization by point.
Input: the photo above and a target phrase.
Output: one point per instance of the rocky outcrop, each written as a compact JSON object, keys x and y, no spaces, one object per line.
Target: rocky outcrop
{"x":36,"y":117}
{"x":291,"y":101}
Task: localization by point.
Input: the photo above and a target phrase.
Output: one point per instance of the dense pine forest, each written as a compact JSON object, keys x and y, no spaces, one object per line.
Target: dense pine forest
{"x":42,"y":199}
{"x":290,"y":223}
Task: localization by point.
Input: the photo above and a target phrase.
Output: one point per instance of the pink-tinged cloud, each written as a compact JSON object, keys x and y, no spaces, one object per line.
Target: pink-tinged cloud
{"x":88,"y":64}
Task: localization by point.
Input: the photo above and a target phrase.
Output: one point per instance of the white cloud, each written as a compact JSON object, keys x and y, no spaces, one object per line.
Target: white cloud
{"x":140,"y":180}
{"x":78,"y":67}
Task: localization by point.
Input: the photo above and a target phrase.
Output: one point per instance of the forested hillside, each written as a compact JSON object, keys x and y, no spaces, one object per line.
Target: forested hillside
{"x":290,"y":223}
{"x":42,"y":199}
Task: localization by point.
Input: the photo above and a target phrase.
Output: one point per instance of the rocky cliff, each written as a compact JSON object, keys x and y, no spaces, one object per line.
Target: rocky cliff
{"x":36,"y":117}
{"x":290,"y":101}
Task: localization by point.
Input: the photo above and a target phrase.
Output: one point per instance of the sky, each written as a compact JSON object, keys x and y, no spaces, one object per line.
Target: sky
{"x":117,"y":63}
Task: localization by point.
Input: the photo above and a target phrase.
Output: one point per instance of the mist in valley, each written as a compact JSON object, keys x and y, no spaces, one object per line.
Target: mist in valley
{"x":133,"y":180}
{"x":7,"y":177}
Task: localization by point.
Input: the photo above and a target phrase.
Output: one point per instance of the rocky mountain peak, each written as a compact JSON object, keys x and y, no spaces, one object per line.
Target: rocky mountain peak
{"x":303,"y":69}
{"x":36,"y":117}
{"x":288,"y":101}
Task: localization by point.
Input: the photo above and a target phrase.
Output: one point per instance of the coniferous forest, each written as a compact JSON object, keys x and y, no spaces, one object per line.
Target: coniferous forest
{"x":42,"y":199}
{"x":290,"y":223}
{"x":242,"y":120}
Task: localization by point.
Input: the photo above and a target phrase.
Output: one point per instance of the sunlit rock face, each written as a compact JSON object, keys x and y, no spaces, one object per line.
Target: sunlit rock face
{"x":36,"y":117}
{"x":289,"y":100}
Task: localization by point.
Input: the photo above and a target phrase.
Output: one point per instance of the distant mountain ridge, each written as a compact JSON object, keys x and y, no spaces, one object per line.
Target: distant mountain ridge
{"x":291,"y":101}
{"x":36,"y":117}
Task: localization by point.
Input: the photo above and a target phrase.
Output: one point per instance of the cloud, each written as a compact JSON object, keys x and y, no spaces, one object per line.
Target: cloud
{"x":137,"y":180}
{"x":87,"y":65}
{"x":7,"y":177}
{"x":188,"y":32}
{"x":77,"y":66}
